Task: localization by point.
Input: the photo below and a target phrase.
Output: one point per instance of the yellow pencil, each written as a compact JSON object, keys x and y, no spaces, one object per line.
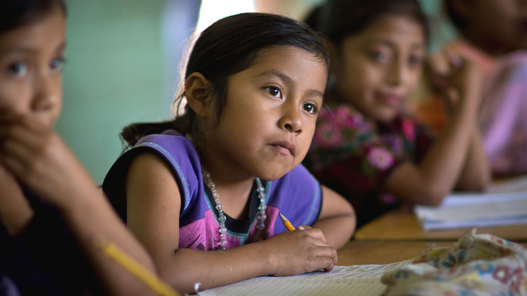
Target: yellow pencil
{"x":135,"y":268}
{"x":286,"y":222}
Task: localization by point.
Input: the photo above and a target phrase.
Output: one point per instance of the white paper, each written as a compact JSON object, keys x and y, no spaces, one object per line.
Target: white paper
{"x":516,"y":184}
{"x":475,"y":210}
{"x":361,"y":280}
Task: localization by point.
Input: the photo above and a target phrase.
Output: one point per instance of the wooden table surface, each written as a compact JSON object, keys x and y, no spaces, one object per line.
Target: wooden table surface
{"x":402,"y":224}
{"x":383,"y":252}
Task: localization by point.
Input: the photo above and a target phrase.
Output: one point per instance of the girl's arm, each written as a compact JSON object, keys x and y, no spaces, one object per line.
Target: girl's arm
{"x":337,"y":219}
{"x":15,"y":211}
{"x":153,"y":208}
{"x":476,"y":173}
{"x":439,"y":171}
{"x":43,"y":163}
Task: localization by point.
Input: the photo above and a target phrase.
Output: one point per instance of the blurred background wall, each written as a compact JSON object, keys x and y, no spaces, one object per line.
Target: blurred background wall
{"x":123,"y":63}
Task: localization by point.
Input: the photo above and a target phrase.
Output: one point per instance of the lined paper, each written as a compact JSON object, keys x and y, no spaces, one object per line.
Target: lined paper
{"x":342,"y":280}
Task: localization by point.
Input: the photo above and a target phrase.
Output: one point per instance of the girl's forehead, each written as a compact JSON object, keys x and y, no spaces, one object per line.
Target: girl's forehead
{"x":45,"y":25}
{"x":48,"y":32}
{"x":275,"y":55}
{"x":391,"y":30}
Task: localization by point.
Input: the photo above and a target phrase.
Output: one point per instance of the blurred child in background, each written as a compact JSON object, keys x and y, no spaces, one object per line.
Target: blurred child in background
{"x":366,"y":148}
{"x":493,"y":34}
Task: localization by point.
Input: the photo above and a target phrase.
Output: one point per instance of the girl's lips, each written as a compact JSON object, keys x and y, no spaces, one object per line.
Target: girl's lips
{"x":390,"y":99}
{"x":284,"y":147}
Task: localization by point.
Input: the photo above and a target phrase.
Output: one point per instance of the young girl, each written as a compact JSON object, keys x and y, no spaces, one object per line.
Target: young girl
{"x":50,"y":209}
{"x":365,"y":148}
{"x":493,"y":35}
{"x":216,"y":177}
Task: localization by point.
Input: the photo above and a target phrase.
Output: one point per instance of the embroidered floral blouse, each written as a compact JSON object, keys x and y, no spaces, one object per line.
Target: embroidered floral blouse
{"x":351,"y":157}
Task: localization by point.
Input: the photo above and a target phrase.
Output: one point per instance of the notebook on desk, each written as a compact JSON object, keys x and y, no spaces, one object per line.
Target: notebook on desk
{"x":475,"y":210}
{"x":364,"y":280}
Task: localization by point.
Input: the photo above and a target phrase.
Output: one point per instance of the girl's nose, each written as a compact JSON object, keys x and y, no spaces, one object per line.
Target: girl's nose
{"x":46,"y":92}
{"x":397,"y":73}
{"x":292,"y":120}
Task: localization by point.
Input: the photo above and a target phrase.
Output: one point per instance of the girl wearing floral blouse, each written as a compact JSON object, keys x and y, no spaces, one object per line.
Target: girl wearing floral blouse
{"x":365,"y":147}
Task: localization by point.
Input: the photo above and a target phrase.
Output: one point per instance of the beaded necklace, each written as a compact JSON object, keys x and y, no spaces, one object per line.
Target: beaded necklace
{"x":223,"y":230}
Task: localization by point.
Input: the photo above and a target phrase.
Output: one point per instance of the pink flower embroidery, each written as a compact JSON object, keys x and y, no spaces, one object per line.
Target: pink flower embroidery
{"x":327,"y":135}
{"x":343,"y":117}
{"x":380,"y":158}
{"x":408,"y":129}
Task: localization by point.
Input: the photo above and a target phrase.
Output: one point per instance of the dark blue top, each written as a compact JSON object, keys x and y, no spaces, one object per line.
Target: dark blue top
{"x":44,"y":259}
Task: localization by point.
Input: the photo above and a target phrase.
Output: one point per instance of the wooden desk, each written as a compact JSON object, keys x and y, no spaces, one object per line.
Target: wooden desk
{"x":384,"y":252}
{"x":402,"y":224}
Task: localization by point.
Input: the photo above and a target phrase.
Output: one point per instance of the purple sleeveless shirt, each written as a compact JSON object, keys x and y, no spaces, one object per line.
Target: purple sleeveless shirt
{"x":297,"y":195}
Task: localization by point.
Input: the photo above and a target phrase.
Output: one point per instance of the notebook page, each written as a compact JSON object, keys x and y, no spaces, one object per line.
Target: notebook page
{"x":516,"y":184}
{"x":342,"y":280}
{"x":463,"y":210}
{"x":466,"y":207}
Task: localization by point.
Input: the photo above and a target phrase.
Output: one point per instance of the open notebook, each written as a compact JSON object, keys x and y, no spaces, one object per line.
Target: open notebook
{"x":361,"y":280}
{"x":504,"y":204}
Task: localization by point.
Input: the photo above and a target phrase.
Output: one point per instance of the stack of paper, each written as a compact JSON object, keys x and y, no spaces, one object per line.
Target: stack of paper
{"x":475,"y":210}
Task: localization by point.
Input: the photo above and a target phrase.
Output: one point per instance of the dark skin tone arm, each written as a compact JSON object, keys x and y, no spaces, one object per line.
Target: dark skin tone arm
{"x":153,"y":198}
{"x":457,"y":159}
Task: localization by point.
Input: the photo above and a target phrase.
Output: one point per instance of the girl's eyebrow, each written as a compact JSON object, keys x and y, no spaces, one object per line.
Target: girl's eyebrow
{"x":278,"y":74}
{"x":390,"y":43}
{"x":27,"y":49}
{"x":288,"y":80}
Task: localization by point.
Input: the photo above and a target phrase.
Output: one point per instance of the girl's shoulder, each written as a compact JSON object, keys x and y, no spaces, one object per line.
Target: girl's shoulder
{"x":174,"y":149}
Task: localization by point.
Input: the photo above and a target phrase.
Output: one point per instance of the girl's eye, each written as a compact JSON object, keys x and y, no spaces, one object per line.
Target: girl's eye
{"x":311,"y":108}
{"x":56,"y":64}
{"x":379,"y":56}
{"x":17,"y":69}
{"x":274,"y":91}
{"x":416,"y":60}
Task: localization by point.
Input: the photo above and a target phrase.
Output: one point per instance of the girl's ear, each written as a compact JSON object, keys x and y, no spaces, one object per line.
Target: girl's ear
{"x":197,"y":94}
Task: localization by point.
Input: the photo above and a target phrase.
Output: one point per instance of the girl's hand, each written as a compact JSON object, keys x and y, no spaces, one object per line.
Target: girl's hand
{"x":300,"y":251}
{"x":15,"y":211}
{"x":39,"y":158}
{"x":454,"y":78}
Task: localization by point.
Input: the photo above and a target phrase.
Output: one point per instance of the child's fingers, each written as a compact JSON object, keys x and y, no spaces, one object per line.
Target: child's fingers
{"x":316,"y":233}
{"x":34,"y":123}
{"x":20,"y":148}
{"x":437,"y":64}
{"x":12,"y":164}
{"x":303,"y":227}
{"x":454,"y":60}
{"x":326,"y":259}
{"x":330,"y":252}
{"x":23,"y":135}
{"x":16,"y":157}
{"x":9,"y":118}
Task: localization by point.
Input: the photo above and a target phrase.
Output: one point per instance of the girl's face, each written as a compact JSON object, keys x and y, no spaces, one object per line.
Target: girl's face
{"x":377,"y":68}
{"x":268,"y":122}
{"x":30,"y":68}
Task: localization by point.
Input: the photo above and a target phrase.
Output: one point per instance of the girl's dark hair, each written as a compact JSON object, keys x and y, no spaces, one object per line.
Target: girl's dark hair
{"x":338,"y":19}
{"x":227,"y":47}
{"x":16,"y":13}
{"x":457,"y":19}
